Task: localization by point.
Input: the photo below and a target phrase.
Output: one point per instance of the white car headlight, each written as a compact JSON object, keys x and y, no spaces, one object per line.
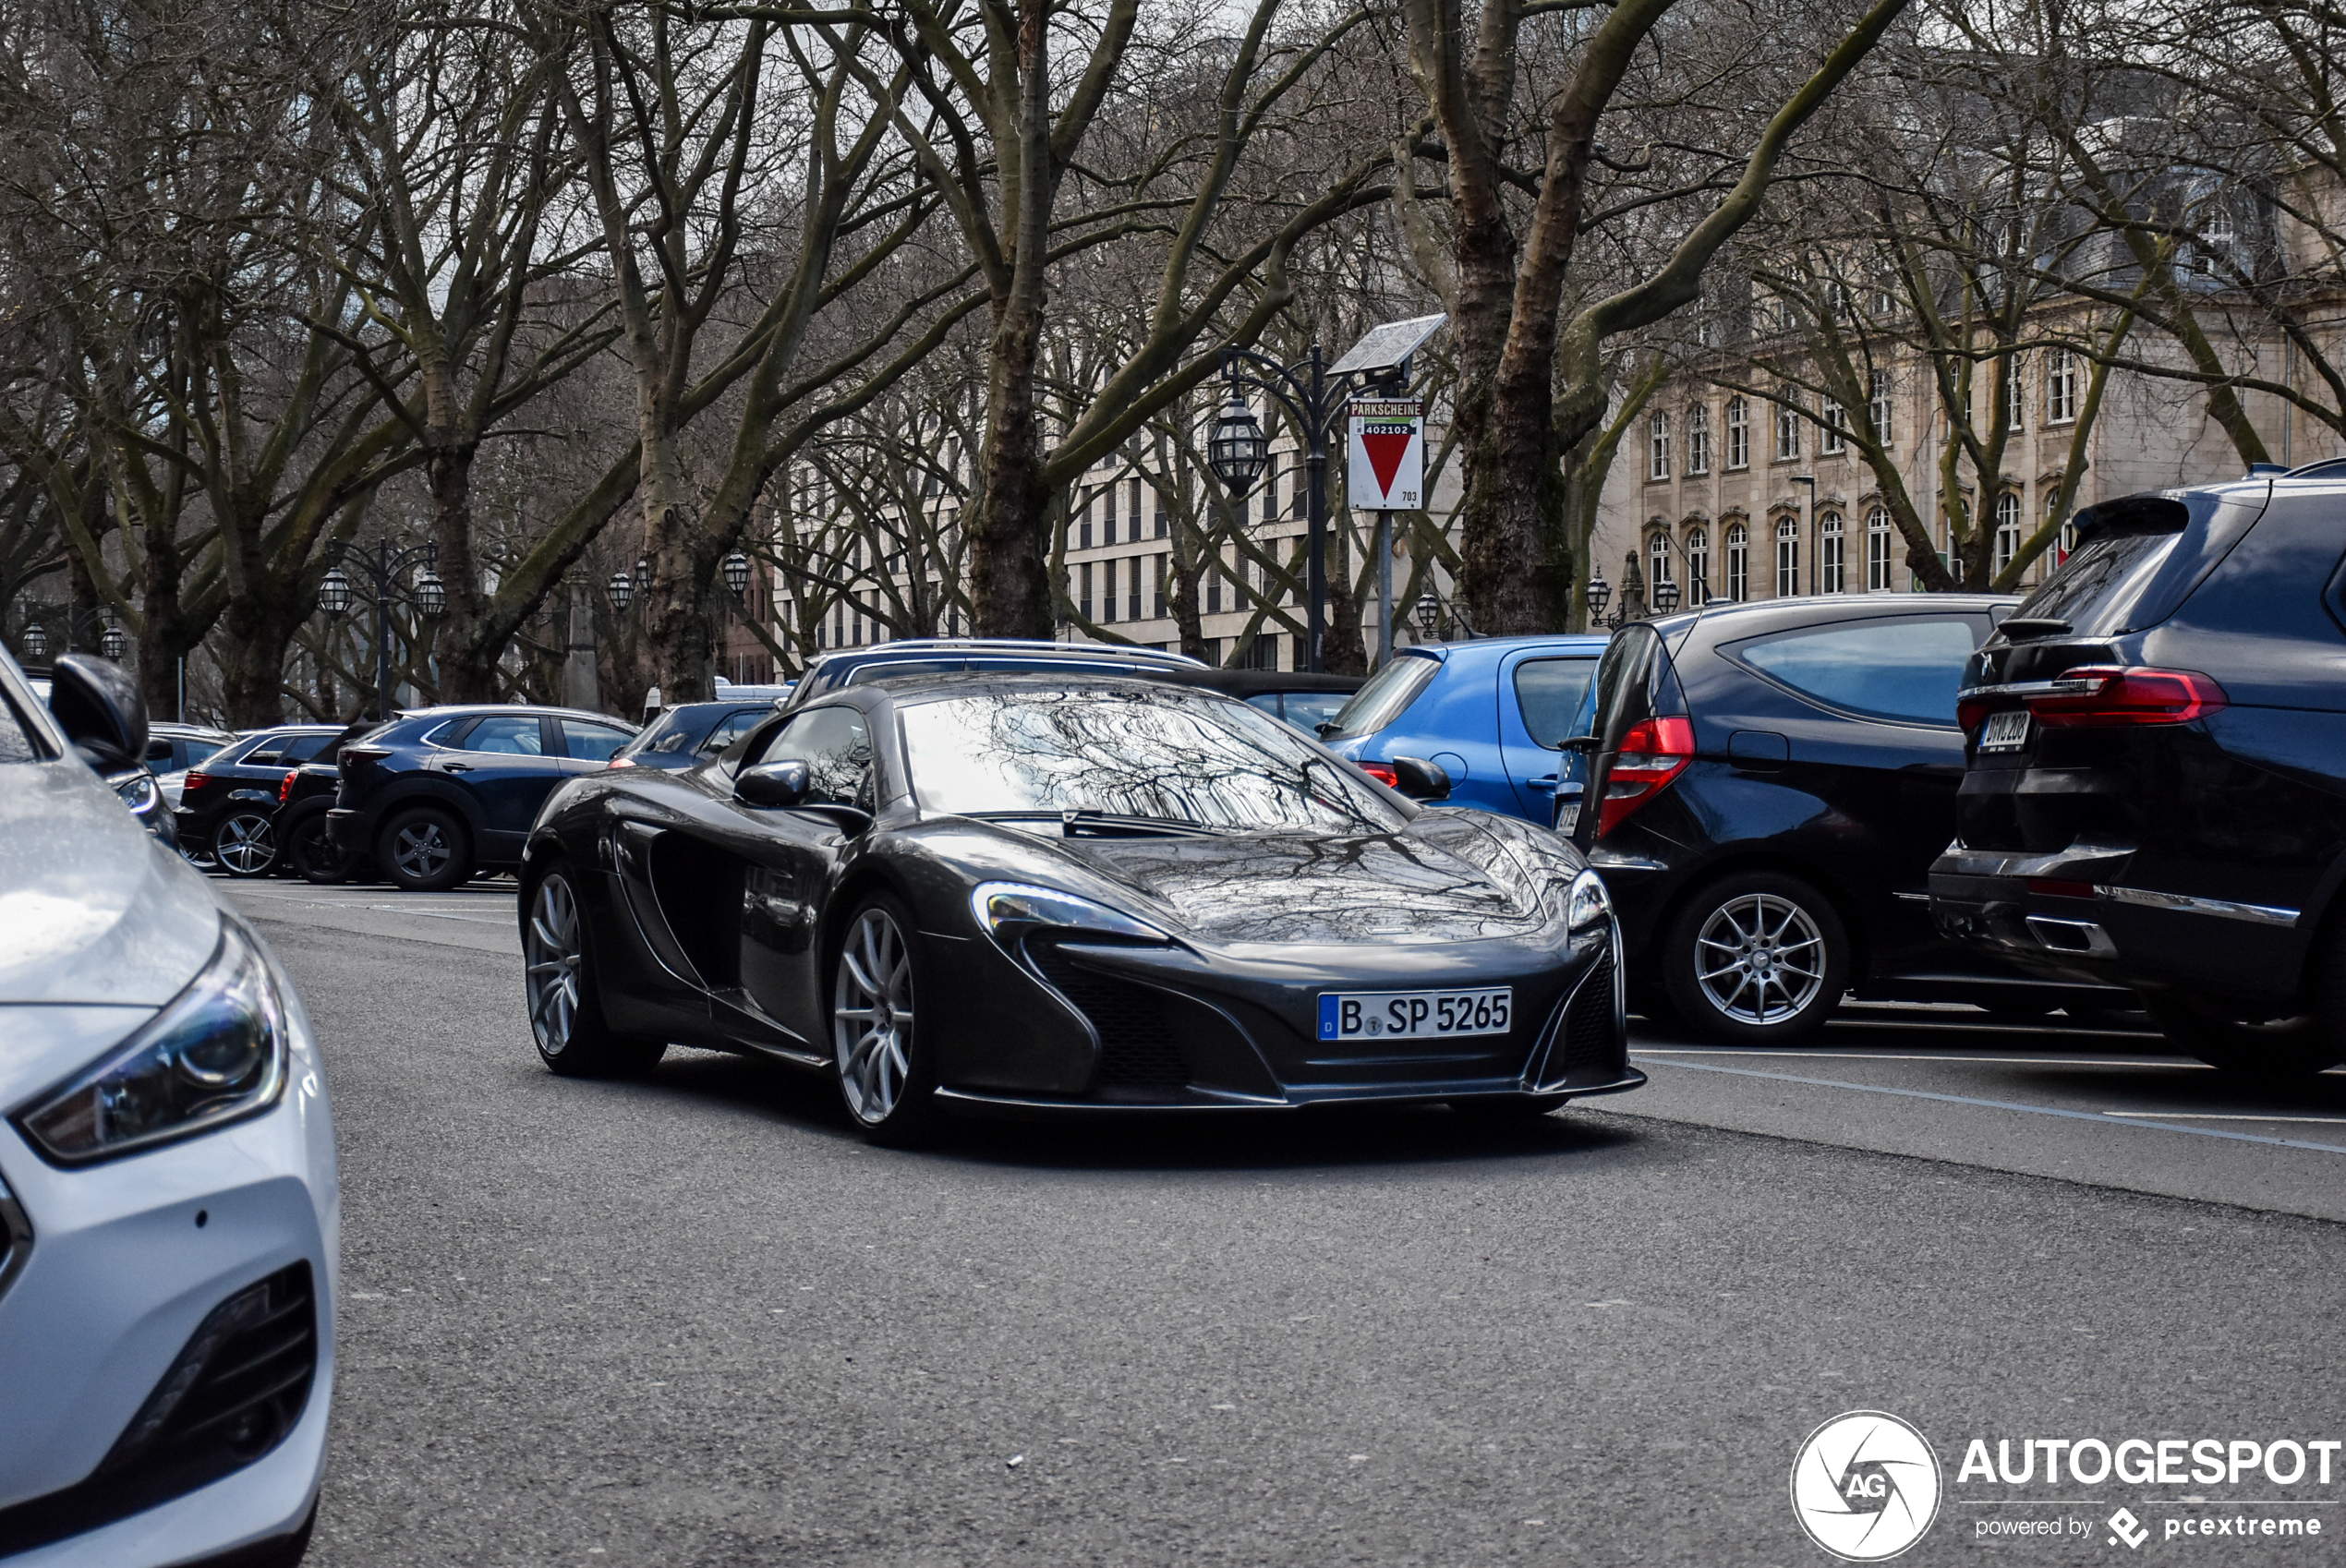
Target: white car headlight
{"x":214,"y":1054}
{"x":1007,"y":909}
{"x":1587,"y":903}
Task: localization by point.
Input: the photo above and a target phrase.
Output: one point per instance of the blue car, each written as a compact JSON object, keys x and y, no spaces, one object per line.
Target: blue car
{"x":691,"y":733}
{"x":1491,"y":713}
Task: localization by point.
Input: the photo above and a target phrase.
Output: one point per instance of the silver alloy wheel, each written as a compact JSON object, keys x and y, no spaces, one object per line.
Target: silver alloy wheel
{"x":246,"y":843}
{"x":421,"y":849}
{"x":555,"y":956}
{"x":872,"y":1016}
{"x":1760,"y":958}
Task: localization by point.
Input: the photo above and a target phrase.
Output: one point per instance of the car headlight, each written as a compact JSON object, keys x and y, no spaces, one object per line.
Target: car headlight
{"x":215,"y":1054}
{"x":1587,"y":904}
{"x":1008,"y":909}
{"x":139,"y":792}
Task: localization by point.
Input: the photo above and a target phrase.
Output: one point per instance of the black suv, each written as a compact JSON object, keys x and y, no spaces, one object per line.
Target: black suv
{"x":2155,"y":788}
{"x":228,"y":805}
{"x":441,"y":793}
{"x":1771,"y":783}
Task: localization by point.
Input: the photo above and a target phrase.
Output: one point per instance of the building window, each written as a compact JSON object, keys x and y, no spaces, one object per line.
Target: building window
{"x":2061,"y":387}
{"x":1834,"y":440}
{"x":1878,"y":550}
{"x":1787,"y":558}
{"x":1132,"y":589}
{"x":1787,"y":431}
{"x":1877,"y":408}
{"x":1698,"y":566}
{"x":1108,"y":596}
{"x":1162,"y":561}
{"x":1832,"y":575}
{"x":1658,"y":557}
{"x":1213,"y":590}
{"x":1084,"y":590}
{"x":2016,"y":400}
{"x":1738,"y":564}
{"x":2007,"y":529}
{"x":1658,"y":446}
{"x":1108,"y":514}
{"x":2217,"y":236}
{"x":1738,"y":433}
{"x":1698,"y":438}
{"x":1135,"y":508}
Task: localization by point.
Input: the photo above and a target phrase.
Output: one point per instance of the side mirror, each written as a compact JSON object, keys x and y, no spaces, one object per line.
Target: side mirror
{"x":100,"y":710}
{"x":1421,"y":780}
{"x":770,"y":785}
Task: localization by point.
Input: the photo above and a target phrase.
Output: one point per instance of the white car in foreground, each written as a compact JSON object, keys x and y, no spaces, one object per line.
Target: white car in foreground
{"x":168,"y":1211}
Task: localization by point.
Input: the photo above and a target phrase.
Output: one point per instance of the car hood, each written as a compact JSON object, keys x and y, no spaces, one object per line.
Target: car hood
{"x":1444,"y":878}
{"x":92,"y":909}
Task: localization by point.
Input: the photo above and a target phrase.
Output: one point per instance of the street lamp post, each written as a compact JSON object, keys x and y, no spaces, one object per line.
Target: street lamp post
{"x":383,"y":568}
{"x":1314,"y":395}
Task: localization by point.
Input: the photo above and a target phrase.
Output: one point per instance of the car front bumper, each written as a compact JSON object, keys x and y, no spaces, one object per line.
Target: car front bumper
{"x":128,"y":1263}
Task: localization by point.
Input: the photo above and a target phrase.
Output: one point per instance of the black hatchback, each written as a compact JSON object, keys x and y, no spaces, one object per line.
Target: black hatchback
{"x":1770,"y":783}
{"x":228,"y":804}
{"x":2157,"y":794}
{"x":441,"y":793}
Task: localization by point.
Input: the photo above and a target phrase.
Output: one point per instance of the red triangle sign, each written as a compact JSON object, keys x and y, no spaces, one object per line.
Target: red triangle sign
{"x":1386,"y":450}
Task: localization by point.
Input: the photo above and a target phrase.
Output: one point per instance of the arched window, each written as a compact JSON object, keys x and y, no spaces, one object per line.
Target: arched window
{"x":1738,"y":433}
{"x":1787,"y":557}
{"x":1738,"y":564}
{"x":1657,"y":561}
{"x":1831,"y":572}
{"x":1697,"y":568}
{"x":1658,"y":446}
{"x":2007,"y":529}
{"x":1878,"y":550}
{"x":1699,"y":438}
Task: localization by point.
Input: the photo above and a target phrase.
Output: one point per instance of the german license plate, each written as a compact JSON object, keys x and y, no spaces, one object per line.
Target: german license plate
{"x":1414,"y":1014}
{"x":2005,"y":731}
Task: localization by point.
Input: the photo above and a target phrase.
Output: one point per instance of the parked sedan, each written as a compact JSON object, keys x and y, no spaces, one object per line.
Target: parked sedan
{"x":689,"y":734}
{"x":228,"y":806}
{"x":1769,"y":786}
{"x":168,"y":1206}
{"x":1491,"y":714}
{"x":443,"y":792}
{"x":1049,"y":893}
{"x":2157,"y":785}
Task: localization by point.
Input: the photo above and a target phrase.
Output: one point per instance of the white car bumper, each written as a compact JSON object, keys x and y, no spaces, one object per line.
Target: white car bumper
{"x":127,"y":1260}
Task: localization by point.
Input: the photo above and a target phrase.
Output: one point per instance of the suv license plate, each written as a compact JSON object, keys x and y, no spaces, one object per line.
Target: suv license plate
{"x":2005,"y":731}
{"x":1414,"y":1014}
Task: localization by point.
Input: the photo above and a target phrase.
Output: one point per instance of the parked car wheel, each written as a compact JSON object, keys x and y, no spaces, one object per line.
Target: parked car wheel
{"x":315,"y":856}
{"x":426,"y":849}
{"x":2284,"y":1050}
{"x":1755,"y":958}
{"x":885,"y":1078}
{"x":565,"y":1009}
{"x":244,"y":844}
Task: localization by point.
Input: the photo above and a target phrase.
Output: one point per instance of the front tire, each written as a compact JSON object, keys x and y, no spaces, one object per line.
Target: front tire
{"x":565,"y":1007}
{"x":426,"y":849}
{"x":884,"y":1077}
{"x":244,"y":844}
{"x":1755,"y":958}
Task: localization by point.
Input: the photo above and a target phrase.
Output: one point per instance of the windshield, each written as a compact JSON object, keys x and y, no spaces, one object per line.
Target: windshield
{"x":1166,"y":755}
{"x":1381,"y":700}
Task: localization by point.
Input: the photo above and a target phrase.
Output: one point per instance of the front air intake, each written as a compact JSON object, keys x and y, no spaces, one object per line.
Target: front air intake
{"x":236,"y":1391}
{"x":1137,"y":1047}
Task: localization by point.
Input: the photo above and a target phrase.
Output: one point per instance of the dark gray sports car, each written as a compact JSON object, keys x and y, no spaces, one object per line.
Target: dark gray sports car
{"x":1079,"y":892}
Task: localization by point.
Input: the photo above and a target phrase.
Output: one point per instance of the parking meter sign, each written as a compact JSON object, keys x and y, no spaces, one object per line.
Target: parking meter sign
{"x":1385,"y":469}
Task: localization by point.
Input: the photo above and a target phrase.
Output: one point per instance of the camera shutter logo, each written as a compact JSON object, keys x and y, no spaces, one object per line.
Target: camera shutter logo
{"x":1865,"y":1486}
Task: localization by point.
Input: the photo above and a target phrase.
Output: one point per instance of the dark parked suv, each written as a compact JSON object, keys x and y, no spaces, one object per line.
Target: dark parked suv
{"x":1770,"y":783}
{"x":228,"y":806}
{"x":2157,"y":785}
{"x":441,"y":793}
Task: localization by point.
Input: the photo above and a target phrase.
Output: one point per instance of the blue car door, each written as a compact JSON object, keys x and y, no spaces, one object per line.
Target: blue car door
{"x":1540,"y":693}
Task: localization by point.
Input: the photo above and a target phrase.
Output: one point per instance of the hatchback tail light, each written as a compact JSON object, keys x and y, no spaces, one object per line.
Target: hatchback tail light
{"x":194,"y":781}
{"x":1654,"y":752}
{"x":286,"y":789}
{"x":621,"y":762}
{"x":2107,"y":696}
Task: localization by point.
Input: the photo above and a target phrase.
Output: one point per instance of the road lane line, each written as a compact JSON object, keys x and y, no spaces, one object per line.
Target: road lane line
{"x":1923,"y":1056}
{"x":2232,"y":1116}
{"x":2102,"y":1116}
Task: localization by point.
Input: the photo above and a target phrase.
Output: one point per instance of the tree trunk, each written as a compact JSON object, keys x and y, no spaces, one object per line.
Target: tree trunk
{"x":1343,"y":653}
{"x":468,"y":655}
{"x":1009,"y":586}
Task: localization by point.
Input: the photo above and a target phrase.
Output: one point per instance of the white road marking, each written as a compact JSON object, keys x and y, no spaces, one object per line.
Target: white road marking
{"x":2230,"y":1116}
{"x":1924,"y":1056}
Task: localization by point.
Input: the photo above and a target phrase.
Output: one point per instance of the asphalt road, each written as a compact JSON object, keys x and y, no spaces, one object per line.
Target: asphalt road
{"x":697,"y":1320}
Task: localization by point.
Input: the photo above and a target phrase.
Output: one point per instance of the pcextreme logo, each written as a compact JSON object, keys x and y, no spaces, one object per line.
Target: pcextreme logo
{"x":1865,"y":1486}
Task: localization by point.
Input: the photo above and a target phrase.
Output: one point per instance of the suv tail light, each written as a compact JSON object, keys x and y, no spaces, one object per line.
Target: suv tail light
{"x":285,"y":788}
{"x":359,"y":753}
{"x":2108,"y":696}
{"x":1654,"y":752}
{"x":1383,"y":773}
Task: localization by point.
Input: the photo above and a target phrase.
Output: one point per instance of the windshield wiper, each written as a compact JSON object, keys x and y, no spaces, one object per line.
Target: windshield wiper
{"x":1103,"y":824}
